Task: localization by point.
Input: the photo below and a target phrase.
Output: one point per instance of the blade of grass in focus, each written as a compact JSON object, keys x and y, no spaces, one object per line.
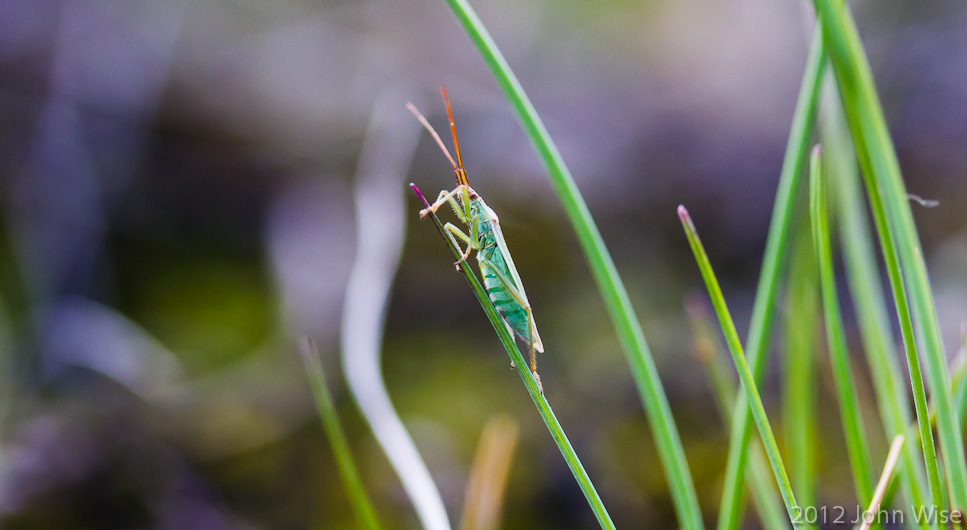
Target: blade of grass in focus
{"x":618,"y":304}
{"x":543,"y":407}
{"x":763,"y":310}
{"x":958,"y":376}
{"x":359,"y":500}
{"x":768,"y":504}
{"x":800,"y":326}
{"x":863,"y":280}
{"x":889,"y":200}
{"x":758,"y":412}
{"x":849,"y":408}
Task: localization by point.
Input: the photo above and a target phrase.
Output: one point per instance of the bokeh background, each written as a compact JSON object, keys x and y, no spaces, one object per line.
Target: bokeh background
{"x":177,"y":183}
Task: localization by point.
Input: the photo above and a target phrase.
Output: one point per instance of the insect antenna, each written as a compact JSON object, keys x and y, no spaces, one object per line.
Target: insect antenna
{"x":458,"y":169}
{"x":433,"y":133}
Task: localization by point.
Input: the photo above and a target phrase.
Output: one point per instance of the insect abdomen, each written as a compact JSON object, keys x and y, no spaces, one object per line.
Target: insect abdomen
{"x":508,"y":308}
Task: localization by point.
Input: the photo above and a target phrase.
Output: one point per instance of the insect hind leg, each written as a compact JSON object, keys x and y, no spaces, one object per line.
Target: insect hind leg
{"x":525,"y":305}
{"x":530,"y":328}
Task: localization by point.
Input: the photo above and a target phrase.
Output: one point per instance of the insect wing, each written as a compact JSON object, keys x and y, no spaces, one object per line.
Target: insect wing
{"x":515,"y":276}
{"x":504,"y":251}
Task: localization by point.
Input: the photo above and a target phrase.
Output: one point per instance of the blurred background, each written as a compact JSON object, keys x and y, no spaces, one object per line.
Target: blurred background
{"x":178,"y":179}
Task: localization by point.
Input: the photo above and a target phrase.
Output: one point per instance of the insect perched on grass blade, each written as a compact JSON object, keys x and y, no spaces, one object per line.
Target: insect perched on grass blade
{"x":500,"y":277}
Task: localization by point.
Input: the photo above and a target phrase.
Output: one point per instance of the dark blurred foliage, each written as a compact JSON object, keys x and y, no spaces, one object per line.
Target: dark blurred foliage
{"x":177,"y":207}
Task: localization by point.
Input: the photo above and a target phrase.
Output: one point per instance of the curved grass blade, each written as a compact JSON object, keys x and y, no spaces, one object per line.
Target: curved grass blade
{"x":616,"y":300}
{"x":958,"y":376}
{"x":881,"y":486}
{"x":543,"y":407}
{"x":836,"y":336}
{"x":757,"y":342}
{"x":800,"y":333}
{"x":745,"y":373}
{"x":767,"y":502}
{"x":359,"y":500}
{"x":889,"y":200}
{"x":863,"y":279}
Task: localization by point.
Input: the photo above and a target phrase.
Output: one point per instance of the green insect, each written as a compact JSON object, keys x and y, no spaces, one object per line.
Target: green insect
{"x":500,"y":276}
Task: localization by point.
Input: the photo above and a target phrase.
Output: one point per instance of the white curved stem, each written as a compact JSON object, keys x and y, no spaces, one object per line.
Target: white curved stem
{"x":390,"y":142}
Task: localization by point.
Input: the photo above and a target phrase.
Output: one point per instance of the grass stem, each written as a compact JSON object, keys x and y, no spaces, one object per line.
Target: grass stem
{"x":881,"y":486}
{"x":359,"y":500}
{"x":894,"y":219}
{"x":531,"y":384}
{"x":615,"y":296}
{"x":745,"y":373}
{"x":768,"y":504}
{"x":800,"y":340}
{"x":773,"y":261}
{"x":849,"y":408}
{"x":866,"y":292}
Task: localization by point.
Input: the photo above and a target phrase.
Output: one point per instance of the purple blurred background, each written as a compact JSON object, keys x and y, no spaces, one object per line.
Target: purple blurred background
{"x":177,"y":181}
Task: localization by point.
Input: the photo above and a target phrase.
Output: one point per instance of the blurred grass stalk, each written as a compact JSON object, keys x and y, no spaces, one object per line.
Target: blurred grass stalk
{"x":871,"y":513}
{"x":523,"y":369}
{"x":742,"y":367}
{"x":849,"y":408}
{"x":763,"y":310}
{"x":894,"y":220}
{"x":799,"y":333}
{"x":958,"y":376}
{"x":359,"y":500}
{"x":616,"y":300}
{"x":389,"y":145}
{"x":484,"y":498}
{"x":863,"y":280}
{"x":768,"y":504}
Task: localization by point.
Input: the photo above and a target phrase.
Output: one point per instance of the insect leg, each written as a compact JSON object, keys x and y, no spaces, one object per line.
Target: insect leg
{"x":466,"y":202}
{"x":525,"y":305}
{"x":445,"y":196}
{"x":464,"y":217}
{"x":530,"y":328}
{"x":452,"y":230}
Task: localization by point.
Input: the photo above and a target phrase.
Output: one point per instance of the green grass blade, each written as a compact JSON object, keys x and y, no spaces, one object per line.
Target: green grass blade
{"x":894,"y":220}
{"x":800,"y":328}
{"x":359,"y":500}
{"x":763,"y":310}
{"x":958,"y":378}
{"x":707,"y":351}
{"x":862,"y":275}
{"x":768,"y":504}
{"x":616,"y":300}
{"x":745,"y":374}
{"x":543,"y":407}
{"x":836,"y":336}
